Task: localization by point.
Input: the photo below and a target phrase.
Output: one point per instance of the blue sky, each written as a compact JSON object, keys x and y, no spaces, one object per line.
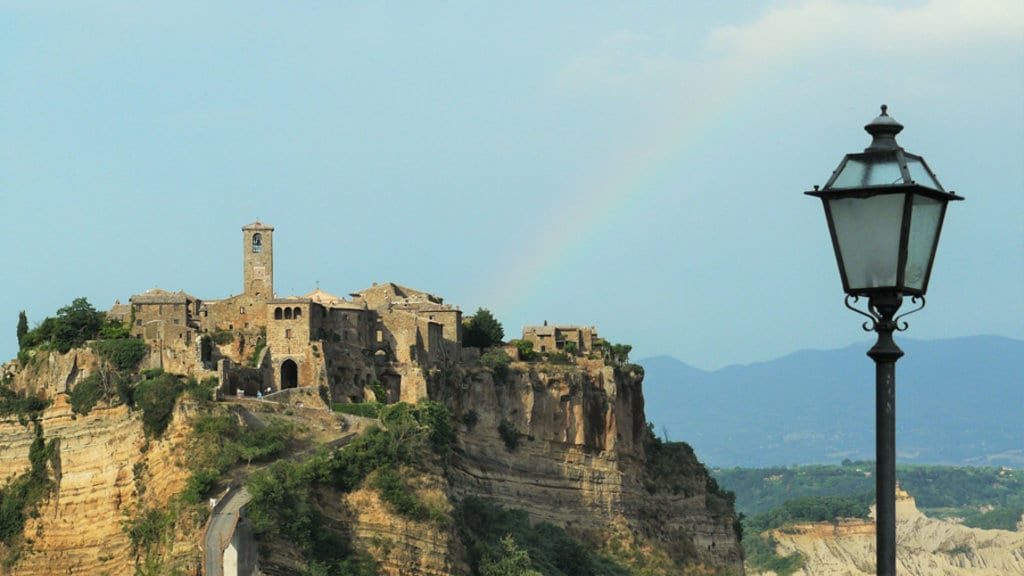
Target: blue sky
{"x":635,"y":167}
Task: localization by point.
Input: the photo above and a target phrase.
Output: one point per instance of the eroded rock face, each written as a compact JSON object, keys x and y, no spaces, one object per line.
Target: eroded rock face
{"x":924,"y":546}
{"x":579,"y":462}
{"x":404,"y":547}
{"x":98,"y":470}
{"x":48,"y":373}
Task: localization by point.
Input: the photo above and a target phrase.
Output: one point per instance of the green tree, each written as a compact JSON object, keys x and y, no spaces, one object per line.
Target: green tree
{"x":76,"y":323}
{"x":482,"y":330}
{"x":525,"y":348}
{"x":22,"y":326}
{"x":619,"y":353}
{"x":512,"y":562}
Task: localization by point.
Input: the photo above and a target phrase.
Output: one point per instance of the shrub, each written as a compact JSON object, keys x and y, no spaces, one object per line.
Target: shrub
{"x":114,"y":329}
{"x":498,"y":362}
{"x":199,"y":485}
{"x":509,"y":435}
{"x":536,"y":548}
{"x":379,"y":392}
{"x":260,"y":345}
{"x":20,"y":497}
{"x":401,"y":499}
{"x":525,"y":348}
{"x":470,"y":418}
{"x":364,"y":409}
{"x":156,"y":397}
{"x":123,"y":353}
{"x":146,"y":528}
{"x":222,"y":337}
{"x":87,"y":393}
{"x":26,"y":405}
{"x":997,"y":519}
{"x":264,"y":443}
{"x":559,"y":358}
{"x":761,"y":554}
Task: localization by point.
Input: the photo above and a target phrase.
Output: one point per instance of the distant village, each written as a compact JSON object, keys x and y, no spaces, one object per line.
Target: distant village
{"x":258,"y":342}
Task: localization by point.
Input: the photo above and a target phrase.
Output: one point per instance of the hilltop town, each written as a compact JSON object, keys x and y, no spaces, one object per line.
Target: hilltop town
{"x":258,"y":342}
{"x":379,"y":433}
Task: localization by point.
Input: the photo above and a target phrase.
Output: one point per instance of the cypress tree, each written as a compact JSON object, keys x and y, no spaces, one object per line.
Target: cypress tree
{"x":22,"y":326}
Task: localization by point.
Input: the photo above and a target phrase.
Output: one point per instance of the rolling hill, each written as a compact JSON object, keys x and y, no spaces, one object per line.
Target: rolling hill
{"x":959,"y":401}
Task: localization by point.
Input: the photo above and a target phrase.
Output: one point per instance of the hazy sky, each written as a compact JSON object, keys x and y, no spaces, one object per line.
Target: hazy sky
{"x":634,"y":166}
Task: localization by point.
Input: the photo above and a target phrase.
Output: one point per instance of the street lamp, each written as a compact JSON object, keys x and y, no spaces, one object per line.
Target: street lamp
{"x":885,"y":209}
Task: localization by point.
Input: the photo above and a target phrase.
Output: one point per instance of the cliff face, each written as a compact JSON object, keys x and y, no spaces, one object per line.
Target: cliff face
{"x":98,"y":471}
{"x":580,"y":462}
{"x":565,"y":443}
{"x":924,"y":546}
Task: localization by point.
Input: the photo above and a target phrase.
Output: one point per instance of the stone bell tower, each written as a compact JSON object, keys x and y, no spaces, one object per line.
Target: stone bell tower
{"x":258,"y":260}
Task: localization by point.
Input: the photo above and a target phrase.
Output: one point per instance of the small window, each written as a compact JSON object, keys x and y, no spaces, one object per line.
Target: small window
{"x":288,"y":333}
{"x":246,"y":325}
{"x":287,"y":313}
{"x":278,"y":314}
{"x":231,"y":327}
{"x":380,"y":335}
{"x":298,"y":312}
{"x":176,"y":321}
{"x":257,"y":242}
{"x":138,"y":322}
{"x":241,"y":310}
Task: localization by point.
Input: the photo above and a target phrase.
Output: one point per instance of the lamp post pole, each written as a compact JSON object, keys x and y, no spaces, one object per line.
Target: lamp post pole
{"x":885,"y":353}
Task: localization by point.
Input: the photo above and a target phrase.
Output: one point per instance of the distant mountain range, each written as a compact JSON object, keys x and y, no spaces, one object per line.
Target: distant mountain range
{"x":958,"y":401}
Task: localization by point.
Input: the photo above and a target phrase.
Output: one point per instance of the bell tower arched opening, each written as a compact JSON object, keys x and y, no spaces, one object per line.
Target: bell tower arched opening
{"x":258,"y":260}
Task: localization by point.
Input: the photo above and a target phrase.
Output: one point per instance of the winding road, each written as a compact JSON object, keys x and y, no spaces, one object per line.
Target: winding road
{"x":222,"y":526}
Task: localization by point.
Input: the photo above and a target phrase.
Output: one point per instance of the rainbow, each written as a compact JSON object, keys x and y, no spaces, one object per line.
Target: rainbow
{"x":622,"y":185}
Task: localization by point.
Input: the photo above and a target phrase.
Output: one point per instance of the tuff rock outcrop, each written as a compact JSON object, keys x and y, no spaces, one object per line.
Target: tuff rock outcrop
{"x":924,"y":546}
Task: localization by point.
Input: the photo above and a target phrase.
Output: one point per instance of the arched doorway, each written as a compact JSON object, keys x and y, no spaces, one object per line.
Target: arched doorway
{"x":289,"y":374}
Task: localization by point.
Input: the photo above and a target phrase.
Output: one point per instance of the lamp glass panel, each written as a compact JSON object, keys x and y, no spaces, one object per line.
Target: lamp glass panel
{"x":869,"y":170}
{"x":920,"y":174}
{"x":926,"y":217}
{"x":868,"y":233}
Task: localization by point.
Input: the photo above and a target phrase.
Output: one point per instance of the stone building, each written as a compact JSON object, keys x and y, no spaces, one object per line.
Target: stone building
{"x":283,"y":342}
{"x":411,"y":325}
{"x":582,"y":339}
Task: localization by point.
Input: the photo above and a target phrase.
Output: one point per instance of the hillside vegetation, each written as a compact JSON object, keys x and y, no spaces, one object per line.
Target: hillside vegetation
{"x":983,"y":497}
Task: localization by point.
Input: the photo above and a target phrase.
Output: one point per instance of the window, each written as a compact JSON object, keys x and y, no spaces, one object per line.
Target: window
{"x":298,"y":312}
{"x":176,"y":321}
{"x":278,"y":314}
{"x":246,"y":324}
{"x":380,"y":335}
{"x":257,"y":242}
{"x":287,"y":313}
{"x":241,"y":310}
{"x":288,"y":333}
{"x":138,"y":322}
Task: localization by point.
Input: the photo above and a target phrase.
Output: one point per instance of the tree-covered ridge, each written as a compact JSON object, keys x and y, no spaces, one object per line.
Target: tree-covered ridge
{"x":985,"y":497}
